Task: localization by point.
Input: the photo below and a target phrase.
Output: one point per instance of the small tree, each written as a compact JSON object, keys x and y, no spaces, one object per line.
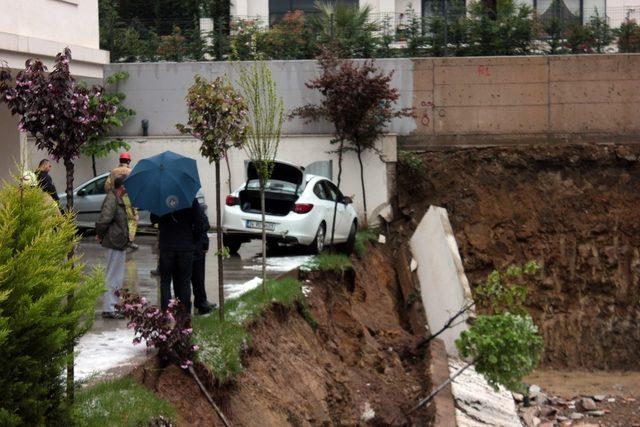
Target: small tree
{"x":37,"y":321}
{"x":628,"y":36}
{"x":263,"y":137}
{"x":359,"y":101}
{"x":61,"y":116}
{"x":218,"y":118}
{"x":602,"y":33}
{"x":101,"y":147}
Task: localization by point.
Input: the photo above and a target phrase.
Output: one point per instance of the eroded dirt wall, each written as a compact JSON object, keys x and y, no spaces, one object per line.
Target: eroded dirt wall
{"x":573,"y":209}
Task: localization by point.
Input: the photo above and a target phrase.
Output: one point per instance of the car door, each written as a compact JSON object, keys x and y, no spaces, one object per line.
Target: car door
{"x":325,"y":205}
{"x":88,"y":201}
{"x":333,"y":194}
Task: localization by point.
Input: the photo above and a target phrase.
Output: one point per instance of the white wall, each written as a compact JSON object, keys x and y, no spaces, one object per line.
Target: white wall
{"x":70,"y":21}
{"x":301,"y":150}
{"x":443,"y":285}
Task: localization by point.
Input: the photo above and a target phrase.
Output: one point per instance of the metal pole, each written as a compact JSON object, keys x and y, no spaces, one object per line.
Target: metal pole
{"x":446,"y":28}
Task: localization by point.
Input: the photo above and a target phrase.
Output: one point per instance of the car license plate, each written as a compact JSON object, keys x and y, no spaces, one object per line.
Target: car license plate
{"x":269,"y":226}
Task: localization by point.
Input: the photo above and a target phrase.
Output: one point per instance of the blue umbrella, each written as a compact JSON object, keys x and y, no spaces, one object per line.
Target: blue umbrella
{"x":163,"y":183}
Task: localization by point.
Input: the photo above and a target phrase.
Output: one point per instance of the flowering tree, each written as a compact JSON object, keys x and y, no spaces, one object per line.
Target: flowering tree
{"x":359,"y":101}
{"x":263,"y":136}
{"x":218,"y":118}
{"x":61,"y":116}
{"x":58,"y":113}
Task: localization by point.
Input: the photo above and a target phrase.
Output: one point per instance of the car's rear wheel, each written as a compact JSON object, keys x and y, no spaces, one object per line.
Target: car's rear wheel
{"x":351,"y":240}
{"x":233,"y":244}
{"x":317,"y":246}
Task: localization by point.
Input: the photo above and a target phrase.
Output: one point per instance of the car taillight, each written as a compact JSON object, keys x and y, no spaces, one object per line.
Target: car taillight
{"x":302,"y":208}
{"x":231,"y":200}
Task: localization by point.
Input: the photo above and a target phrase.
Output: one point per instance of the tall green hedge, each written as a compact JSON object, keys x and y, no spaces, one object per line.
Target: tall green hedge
{"x":37,"y":319}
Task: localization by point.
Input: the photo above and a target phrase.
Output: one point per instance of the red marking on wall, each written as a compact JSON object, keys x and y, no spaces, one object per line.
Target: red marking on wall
{"x":483,"y":70}
{"x":425,"y":119}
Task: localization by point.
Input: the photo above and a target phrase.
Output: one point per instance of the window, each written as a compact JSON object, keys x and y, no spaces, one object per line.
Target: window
{"x":96,"y":187}
{"x":277,"y":8}
{"x":318,"y":190}
{"x":332,"y":191}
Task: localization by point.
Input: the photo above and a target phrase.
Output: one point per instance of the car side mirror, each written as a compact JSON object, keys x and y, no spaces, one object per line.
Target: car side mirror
{"x":82,"y":193}
{"x":347,"y":200}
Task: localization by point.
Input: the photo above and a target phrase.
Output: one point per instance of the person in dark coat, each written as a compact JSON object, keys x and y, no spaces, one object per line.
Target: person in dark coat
{"x":112,"y":231}
{"x":197,"y":277}
{"x":179,"y":231}
{"x":44,"y":179}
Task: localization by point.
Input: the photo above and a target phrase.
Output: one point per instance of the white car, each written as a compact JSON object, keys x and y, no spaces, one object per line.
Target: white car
{"x":299,"y":210}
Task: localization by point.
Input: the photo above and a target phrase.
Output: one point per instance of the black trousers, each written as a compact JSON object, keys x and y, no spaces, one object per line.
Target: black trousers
{"x":197,"y":282}
{"x":176,"y":266}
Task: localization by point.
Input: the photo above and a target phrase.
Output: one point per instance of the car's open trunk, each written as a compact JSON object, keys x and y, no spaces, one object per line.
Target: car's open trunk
{"x":281,"y":191}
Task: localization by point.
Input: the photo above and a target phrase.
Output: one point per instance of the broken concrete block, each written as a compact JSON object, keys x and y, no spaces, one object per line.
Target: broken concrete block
{"x":534,"y":390}
{"x":414,"y":265}
{"x":382,"y":239}
{"x":576,"y":416}
{"x":517,"y":397}
{"x":596,"y":413}
{"x":599,"y":397}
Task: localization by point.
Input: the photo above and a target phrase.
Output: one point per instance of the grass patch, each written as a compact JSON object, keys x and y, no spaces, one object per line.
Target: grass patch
{"x":363,"y":237}
{"x":328,"y":261}
{"x":221,"y":343}
{"x":121,"y":402}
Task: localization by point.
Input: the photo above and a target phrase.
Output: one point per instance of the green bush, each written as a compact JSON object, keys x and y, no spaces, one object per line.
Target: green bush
{"x":37,"y":321}
{"x":364,"y":236}
{"x":628,"y":36}
{"x":332,"y":262}
{"x":288,"y":39}
{"x":121,"y":403}
{"x":504,"y":348}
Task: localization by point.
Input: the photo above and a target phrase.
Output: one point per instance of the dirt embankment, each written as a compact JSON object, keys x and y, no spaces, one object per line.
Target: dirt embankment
{"x":573,"y":209}
{"x":358,"y":366}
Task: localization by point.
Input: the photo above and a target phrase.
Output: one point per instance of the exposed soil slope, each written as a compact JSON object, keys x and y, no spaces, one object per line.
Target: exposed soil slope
{"x":359,"y":366}
{"x":574,"y":209}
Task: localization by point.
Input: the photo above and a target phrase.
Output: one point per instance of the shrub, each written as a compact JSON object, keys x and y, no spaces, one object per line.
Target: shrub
{"x":602,"y":33}
{"x":37,"y":320}
{"x":504,"y":348}
{"x":364,"y":236}
{"x":244,"y":39}
{"x":288,"y":39}
{"x":555,"y":32}
{"x":506,"y":292}
{"x":169,"y":331}
{"x":580,"y":38}
{"x":628,"y":36}
{"x":337,"y":263}
{"x":173,"y":47}
{"x":120,"y":402}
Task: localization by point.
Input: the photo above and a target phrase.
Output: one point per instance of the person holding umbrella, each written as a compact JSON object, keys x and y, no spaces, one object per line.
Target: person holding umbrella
{"x":166,"y":185}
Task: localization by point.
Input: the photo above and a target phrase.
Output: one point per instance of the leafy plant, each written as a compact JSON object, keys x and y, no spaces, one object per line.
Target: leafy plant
{"x":410,"y":161}
{"x":167,"y":330}
{"x":506,"y":292}
{"x":556,"y":33}
{"x":345,"y":29}
{"x":101,"y":147}
{"x":602,"y":33}
{"x":628,"y":36}
{"x":414,"y":33}
{"x":244,"y":40}
{"x":265,"y":118}
{"x":218,"y":118}
{"x":580,"y":38}
{"x":120,"y":402}
{"x":504,"y":348}
{"x":290,"y":38}
{"x":37,"y":322}
{"x":364,"y":236}
{"x":173,"y":47}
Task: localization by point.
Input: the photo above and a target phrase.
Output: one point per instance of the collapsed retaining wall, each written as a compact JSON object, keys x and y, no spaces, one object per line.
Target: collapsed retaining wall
{"x":573,"y":209}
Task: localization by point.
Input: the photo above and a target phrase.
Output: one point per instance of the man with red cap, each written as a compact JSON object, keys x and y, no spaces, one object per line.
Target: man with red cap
{"x":123,"y":170}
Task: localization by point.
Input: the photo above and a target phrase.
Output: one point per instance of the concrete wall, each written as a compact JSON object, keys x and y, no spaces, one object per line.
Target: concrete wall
{"x":9,"y":143}
{"x":295,"y":149}
{"x":443,"y":284}
{"x":525,"y":99}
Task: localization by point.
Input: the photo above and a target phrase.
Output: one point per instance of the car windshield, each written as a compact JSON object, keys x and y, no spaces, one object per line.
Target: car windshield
{"x":273,"y":186}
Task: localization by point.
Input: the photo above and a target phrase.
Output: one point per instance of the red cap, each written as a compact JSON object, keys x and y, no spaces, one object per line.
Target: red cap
{"x":125,"y":156}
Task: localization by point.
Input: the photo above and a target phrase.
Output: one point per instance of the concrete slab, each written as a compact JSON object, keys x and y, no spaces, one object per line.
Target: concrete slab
{"x":479,"y":405}
{"x":443,"y":284}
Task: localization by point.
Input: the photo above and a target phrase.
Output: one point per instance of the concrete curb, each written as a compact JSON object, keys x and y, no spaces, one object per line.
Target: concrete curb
{"x":443,"y":402}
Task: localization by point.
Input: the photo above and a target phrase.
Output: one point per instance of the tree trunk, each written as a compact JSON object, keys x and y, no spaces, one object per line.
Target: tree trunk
{"x":364,"y":194}
{"x":93,"y":165}
{"x":219,"y":242}
{"x":69,"y":168}
{"x":226,"y":159}
{"x":264,"y":237}
{"x":335,"y":204}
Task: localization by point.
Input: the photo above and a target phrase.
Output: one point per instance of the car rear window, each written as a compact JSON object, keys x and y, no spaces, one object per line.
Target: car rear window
{"x":273,"y":186}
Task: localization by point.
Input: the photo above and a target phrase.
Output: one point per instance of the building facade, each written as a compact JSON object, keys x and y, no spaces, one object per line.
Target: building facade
{"x":40,"y":29}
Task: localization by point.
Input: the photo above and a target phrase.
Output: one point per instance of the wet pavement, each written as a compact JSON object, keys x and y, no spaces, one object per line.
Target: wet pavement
{"x":109,"y":345}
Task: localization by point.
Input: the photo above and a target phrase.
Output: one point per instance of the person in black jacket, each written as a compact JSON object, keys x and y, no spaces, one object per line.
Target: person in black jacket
{"x":179,"y":231}
{"x":44,"y":179}
{"x":197,"y":277}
